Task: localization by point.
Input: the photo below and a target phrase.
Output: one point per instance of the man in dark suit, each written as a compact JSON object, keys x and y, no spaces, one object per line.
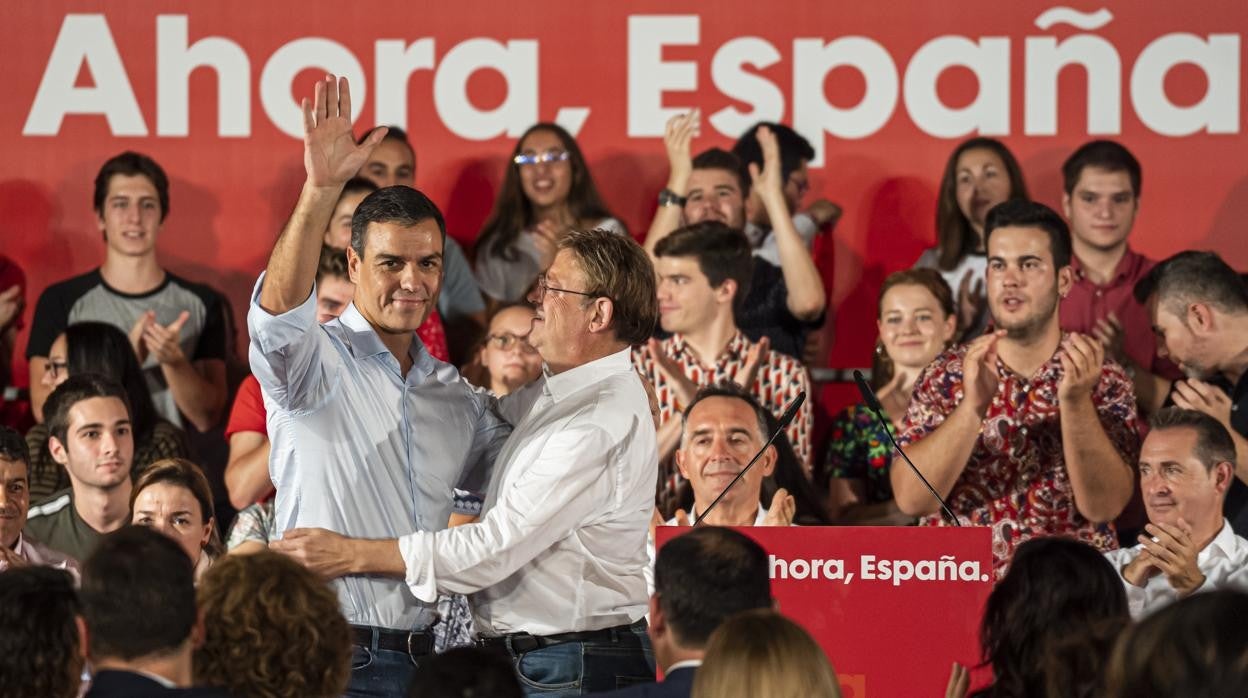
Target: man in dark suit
{"x":700,"y":579}
{"x":138,"y":597}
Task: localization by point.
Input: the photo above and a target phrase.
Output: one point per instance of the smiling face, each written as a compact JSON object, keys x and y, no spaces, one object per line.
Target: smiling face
{"x":1101,"y":208}
{"x":1175,"y":484}
{"x":721,"y":436}
{"x":392,"y":162}
{"x":913,"y":327}
{"x":174,"y":511}
{"x":715,"y":195}
{"x":99,"y":444}
{"x":397,"y":281}
{"x":131,"y":216}
{"x":545,"y":184}
{"x":982,"y":182}
{"x":1024,"y":286}
{"x":14,"y":500}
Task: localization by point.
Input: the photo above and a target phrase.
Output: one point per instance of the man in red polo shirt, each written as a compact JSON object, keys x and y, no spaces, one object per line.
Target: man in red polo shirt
{"x":1102,"y":181}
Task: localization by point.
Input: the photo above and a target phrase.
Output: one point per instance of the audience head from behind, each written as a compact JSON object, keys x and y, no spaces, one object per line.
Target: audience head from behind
{"x":762,"y":653}
{"x":465,"y":672}
{"x":41,"y":634}
{"x":795,"y":153}
{"x":704,"y":272}
{"x":717,"y":190}
{"x":1199,"y":310}
{"x":131,"y":201}
{"x":90,"y":432}
{"x":272,"y":628}
{"x":100,"y":348}
{"x":980,"y":174}
{"x":1055,"y":589}
{"x":395,"y":258}
{"x":700,"y":579}
{"x":392,"y":162}
{"x":138,"y":596}
{"x":1101,"y":183}
{"x":1195,"y":648}
{"x":334,"y":289}
{"x":723,"y":427}
{"x":597,"y":298}
{"x":338,"y":234}
{"x":1029,"y":272}
{"x":172,"y":496}
{"x":510,"y":361}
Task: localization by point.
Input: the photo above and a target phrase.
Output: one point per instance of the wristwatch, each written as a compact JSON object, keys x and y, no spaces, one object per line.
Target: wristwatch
{"x":667,"y":197}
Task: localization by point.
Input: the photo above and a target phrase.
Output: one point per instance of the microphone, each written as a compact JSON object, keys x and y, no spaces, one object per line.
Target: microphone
{"x":785,"y":420}
{"x":873,"y":404}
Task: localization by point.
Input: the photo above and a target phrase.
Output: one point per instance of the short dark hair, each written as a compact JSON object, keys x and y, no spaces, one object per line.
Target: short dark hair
{"x":1019,"y":213}
{"x":1194,"y":276}
{"x":1213,"y":442}
{"x":704,"y":576}
{"x":39,"y":652}
{"x":13,"y":445}
{"x":398,"y":204}
{"x":333,"y":262}
{"x":730,"y":390}
{"x":794,"y":148}
{"x":138,"y":591}
{"x":358,"y":185}
{"x":720,"y":159}
{"x":1197,"y":646}
{"x":75,"y":389}
{"x":616,"y":267}
{"x":130,"y":164}
{"x":722,"y":253}
{"x":464,"y":672}
{"x":1110,"y":156}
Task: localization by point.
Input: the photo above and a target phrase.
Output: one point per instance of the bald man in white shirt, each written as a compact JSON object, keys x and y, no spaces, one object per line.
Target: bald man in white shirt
{"x":555,"y":567}
{"x":1186,"y":466}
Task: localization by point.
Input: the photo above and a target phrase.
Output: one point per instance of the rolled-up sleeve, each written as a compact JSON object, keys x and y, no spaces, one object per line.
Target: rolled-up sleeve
{"x":527,"y":519}
{"x":288,"y":352}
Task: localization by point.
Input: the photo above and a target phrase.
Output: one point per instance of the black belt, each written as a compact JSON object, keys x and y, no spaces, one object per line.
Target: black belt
{"x":416,"y":643}
{"x":519,"y":643}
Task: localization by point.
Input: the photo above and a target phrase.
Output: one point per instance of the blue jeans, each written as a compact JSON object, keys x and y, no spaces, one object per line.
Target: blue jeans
{"x":379,"y":673}
{"x":577,"y":668}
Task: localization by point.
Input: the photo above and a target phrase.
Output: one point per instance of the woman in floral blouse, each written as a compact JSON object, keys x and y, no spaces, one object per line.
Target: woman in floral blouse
{"x":916,"y":321}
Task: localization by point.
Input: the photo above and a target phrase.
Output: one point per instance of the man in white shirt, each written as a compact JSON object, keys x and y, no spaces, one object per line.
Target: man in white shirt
{"x":16,"y":549}
{"x":1186,"y":465}
{"x":370,"y":433}
{"x":555,"y":564}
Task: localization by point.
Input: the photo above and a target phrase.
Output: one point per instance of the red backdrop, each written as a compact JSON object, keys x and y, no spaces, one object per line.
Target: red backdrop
{"x":876,"y":86}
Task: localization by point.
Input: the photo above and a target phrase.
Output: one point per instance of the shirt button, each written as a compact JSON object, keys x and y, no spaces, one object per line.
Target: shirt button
{"x":1099,"y":293}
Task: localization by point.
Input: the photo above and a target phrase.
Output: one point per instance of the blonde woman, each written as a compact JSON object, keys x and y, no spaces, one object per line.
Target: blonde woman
{"x":762,"y":653}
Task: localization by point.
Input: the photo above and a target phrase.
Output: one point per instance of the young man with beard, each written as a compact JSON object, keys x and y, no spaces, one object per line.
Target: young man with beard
{"x":1199,"y":310}
{"x":1026,"y":429}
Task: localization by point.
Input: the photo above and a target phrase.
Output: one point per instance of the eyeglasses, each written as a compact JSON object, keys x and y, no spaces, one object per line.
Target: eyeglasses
{"x":507,"y":340}
{"x":55,"y":368}
{"x":540,"y":289}
{"x":547,"y":157}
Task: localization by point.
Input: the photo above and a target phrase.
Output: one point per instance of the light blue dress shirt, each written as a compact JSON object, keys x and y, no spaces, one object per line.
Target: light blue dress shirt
{"x":361,"y":450}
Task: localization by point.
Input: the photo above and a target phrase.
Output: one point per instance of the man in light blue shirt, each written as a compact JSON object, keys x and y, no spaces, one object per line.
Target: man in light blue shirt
{"x":370,"y":433}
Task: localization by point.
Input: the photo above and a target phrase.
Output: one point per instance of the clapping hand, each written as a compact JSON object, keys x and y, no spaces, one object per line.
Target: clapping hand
{"x":979,"y":372}
{"x":1081,"y":358}
{"x":163,"y":341}
{"x":678,"y":135}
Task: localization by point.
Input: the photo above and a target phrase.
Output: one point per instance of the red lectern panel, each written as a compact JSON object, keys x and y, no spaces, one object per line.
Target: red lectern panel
{"x":892,"y":607}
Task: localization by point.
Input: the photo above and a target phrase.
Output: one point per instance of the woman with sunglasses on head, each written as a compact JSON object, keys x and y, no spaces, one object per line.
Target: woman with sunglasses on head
{"x":546,"y":192}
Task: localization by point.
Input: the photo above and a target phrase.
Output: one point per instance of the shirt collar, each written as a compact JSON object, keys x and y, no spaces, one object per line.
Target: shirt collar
{"x":561,"y":385}
{"x":759,"y":519}
{"x":1223,"y":545}
{"x":686,"y":664}
{"x":1127,"y":269}
{"x":737,"y":348}
{"x":365,"y":342}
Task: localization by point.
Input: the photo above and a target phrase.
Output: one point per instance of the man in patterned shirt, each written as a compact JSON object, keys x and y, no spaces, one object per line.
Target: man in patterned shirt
{"x":703,"y":270}
{"x":1026,"y":429}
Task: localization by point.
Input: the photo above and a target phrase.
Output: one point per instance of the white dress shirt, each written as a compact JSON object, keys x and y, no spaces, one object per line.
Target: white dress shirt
{"x":759,"y":520}
{"x":561,"y":546}
{"x":359,"y":449}
{"x":1224,"y":562}
{"x":39,"y":555}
